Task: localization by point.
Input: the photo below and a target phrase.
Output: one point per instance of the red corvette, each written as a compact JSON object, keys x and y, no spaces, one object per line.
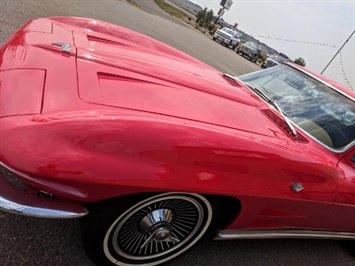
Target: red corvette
{"x":160,"y":149}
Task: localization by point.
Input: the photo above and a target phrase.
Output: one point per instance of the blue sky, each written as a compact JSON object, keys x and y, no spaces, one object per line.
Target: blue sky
{"x":301,"y":23}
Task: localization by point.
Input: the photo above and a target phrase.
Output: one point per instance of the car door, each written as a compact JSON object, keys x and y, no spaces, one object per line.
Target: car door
{"x":346,"y":185}
{"x":344,"y":207}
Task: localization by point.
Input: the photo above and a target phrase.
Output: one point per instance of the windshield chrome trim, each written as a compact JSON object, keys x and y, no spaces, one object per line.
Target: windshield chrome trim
{"x":345,"y":148}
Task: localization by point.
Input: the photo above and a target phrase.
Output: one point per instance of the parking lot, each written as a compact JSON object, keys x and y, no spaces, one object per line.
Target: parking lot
{"x":33,"y":241}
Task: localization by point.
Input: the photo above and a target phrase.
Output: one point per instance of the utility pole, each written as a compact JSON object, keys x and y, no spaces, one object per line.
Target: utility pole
{"x":226,"y":4}
{"x":220,"y":13}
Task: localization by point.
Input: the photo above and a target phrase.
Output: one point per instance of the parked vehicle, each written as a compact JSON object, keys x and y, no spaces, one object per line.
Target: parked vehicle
{"x":159,"y":150}
{"x":227,"y":37}
{"x":273,"y":60}
{"x":249,"y":49}
{"x":286,"y":57}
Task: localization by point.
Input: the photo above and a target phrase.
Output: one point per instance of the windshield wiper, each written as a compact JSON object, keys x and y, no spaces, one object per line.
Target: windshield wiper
{"x":275,"y":105}
{"x":267,"y":99}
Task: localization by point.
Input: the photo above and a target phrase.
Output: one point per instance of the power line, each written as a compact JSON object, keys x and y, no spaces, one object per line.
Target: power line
{"x":343,"y":70}
{"x":317,"y":43}
{"x":289,"y":40}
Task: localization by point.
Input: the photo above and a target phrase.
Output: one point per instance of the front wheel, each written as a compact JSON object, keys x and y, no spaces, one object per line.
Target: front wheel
{"x":151,"y":230}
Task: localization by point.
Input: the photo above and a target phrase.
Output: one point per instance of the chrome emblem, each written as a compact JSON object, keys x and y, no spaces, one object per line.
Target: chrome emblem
{"x":296,"y":186}
{"x":65,"y":46}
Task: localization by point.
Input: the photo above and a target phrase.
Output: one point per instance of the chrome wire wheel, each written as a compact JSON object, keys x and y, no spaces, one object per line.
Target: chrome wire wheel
{"x":157,"y":229}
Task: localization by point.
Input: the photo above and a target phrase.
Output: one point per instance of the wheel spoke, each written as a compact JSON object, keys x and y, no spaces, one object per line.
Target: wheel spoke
{"x":134,"y":244}
{"x":127,"y":234}
{"x":182,"y":229}
{"x":184,"y":225}
{"x":156,"y":247}
{"x":151,"y":248}
{"x":174,"y":229}
{"x":191,"y":219}
{"x":138,"y":244}
{"x":128,"y":242}
{"x":128,"y":227}
{"x":178,"y":204}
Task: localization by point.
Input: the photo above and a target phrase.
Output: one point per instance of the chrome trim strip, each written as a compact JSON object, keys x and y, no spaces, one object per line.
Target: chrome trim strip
{"x":17,"y":201}
{"x":281,"y":233}
{"x":49,"y":211}
{"x":66,"y":48}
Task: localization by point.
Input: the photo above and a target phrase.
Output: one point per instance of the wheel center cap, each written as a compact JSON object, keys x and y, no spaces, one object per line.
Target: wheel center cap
{"x":156,"y":221}
{"x":162,"y":234}
{"x":158,"y":225}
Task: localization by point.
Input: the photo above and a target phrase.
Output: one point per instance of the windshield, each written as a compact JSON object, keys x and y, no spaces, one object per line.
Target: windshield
{"x":325,"y":114}
{"x":277,"y":58}
{"x":253,"y":45}
{"x":229,"y":31}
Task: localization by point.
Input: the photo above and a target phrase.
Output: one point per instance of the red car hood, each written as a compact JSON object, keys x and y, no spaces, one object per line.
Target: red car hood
{"x":119,"y":68}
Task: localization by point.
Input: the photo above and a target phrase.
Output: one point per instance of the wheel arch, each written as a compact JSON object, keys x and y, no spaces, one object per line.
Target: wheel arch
{"x":229,"y":207}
